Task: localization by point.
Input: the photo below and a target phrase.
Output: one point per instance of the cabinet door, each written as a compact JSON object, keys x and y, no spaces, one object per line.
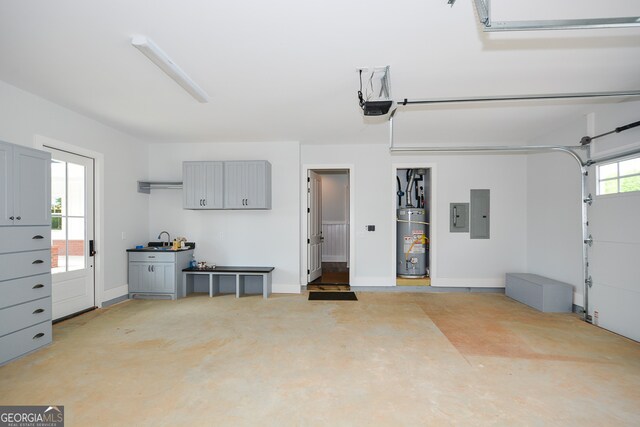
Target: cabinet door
{"x":202,"y":185}
{"x":32,"y":187}
{"x":163,"y":278}
{"x":138,"y":276}
{"x":213,"y":185}
{"x":235,"y":185}
{"x":247,"y":185}
{"x":256,"y":178}
{"x":193,"y":181}
{"x":6,"y":184}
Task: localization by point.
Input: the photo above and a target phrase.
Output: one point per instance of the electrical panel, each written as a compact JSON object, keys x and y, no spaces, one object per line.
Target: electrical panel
{"x":459,"y":217}
{"x":479,"y":218}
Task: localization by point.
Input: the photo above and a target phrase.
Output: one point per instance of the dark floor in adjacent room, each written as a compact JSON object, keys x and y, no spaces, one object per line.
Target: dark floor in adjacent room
{"x":333,"y":273}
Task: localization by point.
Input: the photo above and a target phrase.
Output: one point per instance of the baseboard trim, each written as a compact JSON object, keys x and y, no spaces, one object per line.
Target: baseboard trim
{"x":114,"y":294}
{"x":113,"y":301}
{"x":285,"y":289}
{"x":427,"y":289}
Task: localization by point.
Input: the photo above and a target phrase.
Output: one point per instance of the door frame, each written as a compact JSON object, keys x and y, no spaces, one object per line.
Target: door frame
{"x":41,"y":142}
{"x":303,"y":215}
{"x":433,"y":218}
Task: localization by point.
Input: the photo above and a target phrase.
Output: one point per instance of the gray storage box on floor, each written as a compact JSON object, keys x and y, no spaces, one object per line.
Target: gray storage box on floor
{"x":540,"y":292}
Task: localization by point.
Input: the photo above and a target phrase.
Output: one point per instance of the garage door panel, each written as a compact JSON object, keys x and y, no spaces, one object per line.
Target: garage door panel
{"x":616,"y":218}
{"x":616,"y":264}
{"x":616,"y":310}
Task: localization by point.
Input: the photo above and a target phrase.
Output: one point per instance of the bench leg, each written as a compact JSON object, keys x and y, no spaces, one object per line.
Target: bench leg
{"x":266,"y":285}
{"x":239,"y":285}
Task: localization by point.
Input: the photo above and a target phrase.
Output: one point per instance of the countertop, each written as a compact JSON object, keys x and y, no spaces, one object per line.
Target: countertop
{"x":151,"y":247}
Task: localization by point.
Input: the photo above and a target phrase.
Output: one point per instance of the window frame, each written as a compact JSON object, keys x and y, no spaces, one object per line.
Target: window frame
{"x":615,"y":178}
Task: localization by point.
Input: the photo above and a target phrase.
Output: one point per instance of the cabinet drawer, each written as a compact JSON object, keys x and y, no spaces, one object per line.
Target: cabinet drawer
{"x":152,"y":256}
{"x":23,"y":315}
{"x":24,"y":238}
{"x":24,"y":341}
{"x":24,"y":264}
{"x":17,"y":291}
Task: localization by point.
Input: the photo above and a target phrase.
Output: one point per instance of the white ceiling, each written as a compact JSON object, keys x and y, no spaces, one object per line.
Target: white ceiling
{"x":286,"y":69}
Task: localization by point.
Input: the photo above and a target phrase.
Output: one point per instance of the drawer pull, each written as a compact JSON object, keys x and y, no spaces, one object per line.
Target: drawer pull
{"x":38,"y":311}
{"x":37,"y":336}
{"x":38,"y":261}
{"x":38,"y":286}
{"x":37,"y":237}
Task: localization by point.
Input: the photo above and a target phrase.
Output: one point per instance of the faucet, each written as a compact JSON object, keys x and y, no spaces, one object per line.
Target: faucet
{"x":168,"y":238}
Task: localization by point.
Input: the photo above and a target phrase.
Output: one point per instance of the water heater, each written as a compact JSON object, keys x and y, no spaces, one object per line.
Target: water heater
{"x":412,"y":244}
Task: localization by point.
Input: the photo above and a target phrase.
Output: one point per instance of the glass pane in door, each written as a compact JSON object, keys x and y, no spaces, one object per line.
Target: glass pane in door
{"x":68,"y":222}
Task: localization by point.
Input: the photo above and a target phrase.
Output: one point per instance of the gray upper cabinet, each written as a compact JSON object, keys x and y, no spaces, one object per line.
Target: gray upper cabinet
{"x":226,"y":185}
{"x":202,"y":185}
{"x":25,"y":185}
{"x":247,"y":185}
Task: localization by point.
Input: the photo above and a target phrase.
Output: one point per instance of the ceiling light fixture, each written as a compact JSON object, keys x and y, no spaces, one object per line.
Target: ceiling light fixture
{"x":158,"y":57}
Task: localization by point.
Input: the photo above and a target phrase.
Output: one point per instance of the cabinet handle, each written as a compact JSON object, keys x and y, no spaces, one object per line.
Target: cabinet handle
{"x":38,"y":286}
{"x":37,"y":237}
{"x":11,"y":218}
{"x":152,"y":256}
{"x":200,"y":202}
{"x":38,"y":311}
{"x":149,"y":268}
{"x":204,"y":202}
{"x":153,"y":268}
{"x":18,"y":218}
{"x":37,"y":336}
{"x":38,"y":261}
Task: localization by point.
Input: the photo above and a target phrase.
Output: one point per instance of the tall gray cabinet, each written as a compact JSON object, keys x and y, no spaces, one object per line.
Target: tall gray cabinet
{"x":227,"y":185}
{"x":25,"y":258}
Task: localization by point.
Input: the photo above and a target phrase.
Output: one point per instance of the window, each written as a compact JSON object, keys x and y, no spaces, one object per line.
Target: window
{"x":619,"y":177}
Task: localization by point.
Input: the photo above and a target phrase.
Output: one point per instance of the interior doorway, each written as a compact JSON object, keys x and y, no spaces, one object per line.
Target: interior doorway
{"x":72,"y":233}
{"x":328,"y":224}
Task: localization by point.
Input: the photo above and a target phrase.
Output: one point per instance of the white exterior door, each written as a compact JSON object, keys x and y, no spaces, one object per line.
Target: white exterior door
{"x":72,"y":264}
{"x":614,"y":297}
{"x":314,"y":226}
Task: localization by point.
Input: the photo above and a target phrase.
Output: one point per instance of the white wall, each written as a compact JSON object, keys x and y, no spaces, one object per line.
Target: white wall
{"x":233,"y":237}
{"x":458,"y":260}
{"x":334,"y":197}
{"x":554,"y":230}
{"x":29,"y":120}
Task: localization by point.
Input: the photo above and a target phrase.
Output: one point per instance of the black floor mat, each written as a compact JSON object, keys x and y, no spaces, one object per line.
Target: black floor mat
{"x":332,"y":296}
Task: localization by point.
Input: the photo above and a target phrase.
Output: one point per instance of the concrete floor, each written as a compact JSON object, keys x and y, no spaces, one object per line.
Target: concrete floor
{"x":390,"y":359}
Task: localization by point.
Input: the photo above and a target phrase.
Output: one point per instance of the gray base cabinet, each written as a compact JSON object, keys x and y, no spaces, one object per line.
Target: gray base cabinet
{"x":25,"y":258}
{"x":157,"y":274}
{"x":226,"y":185}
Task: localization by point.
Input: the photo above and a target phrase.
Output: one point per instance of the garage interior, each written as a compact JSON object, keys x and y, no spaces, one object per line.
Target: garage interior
{"x":484,"y":161}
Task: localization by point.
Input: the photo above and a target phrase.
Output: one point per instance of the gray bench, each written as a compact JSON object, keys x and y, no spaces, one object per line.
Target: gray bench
{"x":239,"y":273}
{"x":542,"y":293}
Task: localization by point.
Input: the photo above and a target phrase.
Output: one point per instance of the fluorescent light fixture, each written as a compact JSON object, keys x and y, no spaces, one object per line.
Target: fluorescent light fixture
{"x":155,"y":54}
